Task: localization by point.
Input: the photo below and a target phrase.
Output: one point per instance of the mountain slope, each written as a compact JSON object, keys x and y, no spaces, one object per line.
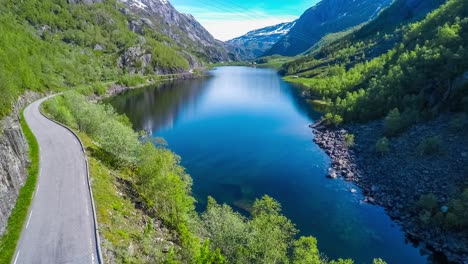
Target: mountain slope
{"x":421,"y":68}
{"x":256,"y":42}
{"x":403,"y":73}
{"x":51,"y":44}
{"x":184,"y":29}
{"x":328,"y":16}
{"x":365,"y":42}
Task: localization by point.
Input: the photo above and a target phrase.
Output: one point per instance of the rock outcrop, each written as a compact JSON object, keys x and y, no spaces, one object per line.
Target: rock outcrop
{"x":184,"y":29}
{"x":398,"y":179}
{"x":13,"y":159}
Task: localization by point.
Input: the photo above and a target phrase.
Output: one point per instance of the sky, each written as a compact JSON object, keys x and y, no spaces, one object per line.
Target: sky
{"x":227,"y":19}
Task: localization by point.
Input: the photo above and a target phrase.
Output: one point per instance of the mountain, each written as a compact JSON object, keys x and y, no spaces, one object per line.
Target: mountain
{"x":184,"y":29}
{"x":256,"y":42}
{"x":395,"y":61}
{"x":328,"y":16}
{"x":48,"y":44}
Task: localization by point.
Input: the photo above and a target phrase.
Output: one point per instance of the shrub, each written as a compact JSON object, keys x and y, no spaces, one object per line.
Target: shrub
{"x":332,"y":120}
{"x":459,"y":122}
{"x":428,"y":202}
{"x":393,"y":123}
{"x":100,"y":122}
{"x":457,"y":215}
{"x":382,"y":146}
{"x":349,"y":140}
{"x":429,"y":146}
{"x":379,"y":261}
{"x":100,"y":89}
{"x":131,"y":80}
{"x":306,"y":251}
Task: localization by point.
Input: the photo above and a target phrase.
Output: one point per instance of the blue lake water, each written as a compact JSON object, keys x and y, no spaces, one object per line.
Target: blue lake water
{"x":242,"y":133}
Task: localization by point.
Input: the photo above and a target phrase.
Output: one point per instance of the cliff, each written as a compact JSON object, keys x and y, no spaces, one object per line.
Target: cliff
{"x":13,"y":159}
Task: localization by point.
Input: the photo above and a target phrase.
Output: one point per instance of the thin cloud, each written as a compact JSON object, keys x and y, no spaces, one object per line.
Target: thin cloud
{"x":226,"y":25}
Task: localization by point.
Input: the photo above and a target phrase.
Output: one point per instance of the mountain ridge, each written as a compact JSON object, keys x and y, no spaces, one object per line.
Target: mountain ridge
{"x":255,"y":42}
{"x":327,"y":16}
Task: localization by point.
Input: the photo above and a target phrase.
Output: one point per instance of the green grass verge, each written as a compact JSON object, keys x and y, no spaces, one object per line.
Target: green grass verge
{"x":121,"y":224}
{"x":20,"y":212}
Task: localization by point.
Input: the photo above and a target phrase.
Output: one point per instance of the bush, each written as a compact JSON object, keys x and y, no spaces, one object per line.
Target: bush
{"x":306,"y":251}
{"x":332,"y":120}
{"x":382,"y":146}
{"x":349,"y":140}
{"x":393,"y":123}
{"x":429,"y":146}
{"x":457,"y":215}
{"x":428,"y":202}
{"x":100,"y":89}
{"x":164,"y":185}
{"x":131,"y":80}
{"x":459,"y":123}
{"x":98,"y":121}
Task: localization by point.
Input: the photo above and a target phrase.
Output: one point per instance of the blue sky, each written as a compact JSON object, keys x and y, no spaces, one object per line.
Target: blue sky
{"x":227,"y":19}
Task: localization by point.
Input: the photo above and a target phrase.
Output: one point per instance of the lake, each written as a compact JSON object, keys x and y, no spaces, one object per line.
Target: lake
{"x":243,"y":133}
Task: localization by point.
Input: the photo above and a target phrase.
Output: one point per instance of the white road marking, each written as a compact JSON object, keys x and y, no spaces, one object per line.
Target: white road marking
{"x":29,"y":219}
{"x":87,"y":210}
{"x":37,"y":190}
{"x":92,"y":258}
{"x":16,"y":258}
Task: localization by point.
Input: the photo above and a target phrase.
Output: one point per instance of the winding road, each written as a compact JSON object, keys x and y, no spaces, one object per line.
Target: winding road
{"x":60,"y":224}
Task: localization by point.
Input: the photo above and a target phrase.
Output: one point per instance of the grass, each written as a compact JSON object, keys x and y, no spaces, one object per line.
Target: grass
{"x":18,"y":215}
{"x":121,"y":224}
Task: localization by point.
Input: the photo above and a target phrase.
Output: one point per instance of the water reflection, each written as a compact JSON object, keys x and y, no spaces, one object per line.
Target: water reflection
{"x":160,"y":105}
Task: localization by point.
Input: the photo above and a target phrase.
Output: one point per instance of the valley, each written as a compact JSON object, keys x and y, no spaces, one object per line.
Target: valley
{"x":336,"y":135}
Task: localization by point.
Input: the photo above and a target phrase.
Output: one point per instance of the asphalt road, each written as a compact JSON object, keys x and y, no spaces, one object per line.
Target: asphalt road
{"x":59,"y":227}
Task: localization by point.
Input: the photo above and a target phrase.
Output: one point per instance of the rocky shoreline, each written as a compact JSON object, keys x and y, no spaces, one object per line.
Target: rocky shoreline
{"x":397,"y":180}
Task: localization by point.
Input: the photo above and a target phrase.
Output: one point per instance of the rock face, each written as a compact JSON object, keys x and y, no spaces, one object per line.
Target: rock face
{"x":399,"y":178}
{"x":328,"y":16}
{"x":184,"y":29}
{"x":253,"y":44}
{"x":83,"y":1}
{"x":13,"y":159}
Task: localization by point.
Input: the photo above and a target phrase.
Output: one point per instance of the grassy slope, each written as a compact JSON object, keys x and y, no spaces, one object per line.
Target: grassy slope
{"x":127,"y":233}
{"x":20,"y":212}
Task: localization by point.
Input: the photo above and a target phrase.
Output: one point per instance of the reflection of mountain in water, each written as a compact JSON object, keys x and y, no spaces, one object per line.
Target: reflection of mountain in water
{"x":153,"y":108}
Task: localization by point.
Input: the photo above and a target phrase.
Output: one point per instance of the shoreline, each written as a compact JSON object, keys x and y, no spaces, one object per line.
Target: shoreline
{"x":116,"y":89}
{"x":358,"y":165}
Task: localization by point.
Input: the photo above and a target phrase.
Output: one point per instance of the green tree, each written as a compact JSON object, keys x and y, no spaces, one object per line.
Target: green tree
{"x":349,"y":140}
{"x":379,"y":261}
{"x":273,"y":234}
{"x":382,"y":146}
{"x":431,"y":145}
{"x":306,"y":251}
{"x":226,"y":229}
{"x":393,"y":123}
{"x":342,"y":261}
{"x":164,"y":185}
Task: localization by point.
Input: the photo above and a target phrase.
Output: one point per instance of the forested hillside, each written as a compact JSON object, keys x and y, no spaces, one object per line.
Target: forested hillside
{"x":398,"y":86}
{"x":418,"y":68}
{"x":327,"y":16}
{"x":53,"y":44}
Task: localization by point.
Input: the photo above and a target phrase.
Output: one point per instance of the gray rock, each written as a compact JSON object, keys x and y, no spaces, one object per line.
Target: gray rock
{"x":13,"y":159}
